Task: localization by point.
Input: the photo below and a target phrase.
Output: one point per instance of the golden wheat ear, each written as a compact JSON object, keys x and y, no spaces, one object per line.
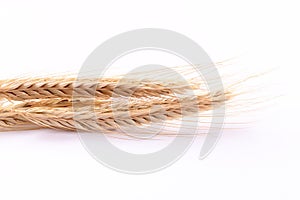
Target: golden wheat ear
{"x":43,"y":88}
{"x":106,"y":103}
{"x":108,"y":114}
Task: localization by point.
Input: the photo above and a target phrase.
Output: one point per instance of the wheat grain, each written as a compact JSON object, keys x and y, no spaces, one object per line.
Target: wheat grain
{"x":10,"y":120}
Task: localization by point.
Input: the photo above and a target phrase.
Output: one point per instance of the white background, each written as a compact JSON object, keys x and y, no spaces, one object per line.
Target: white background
{"x":260,"y":162}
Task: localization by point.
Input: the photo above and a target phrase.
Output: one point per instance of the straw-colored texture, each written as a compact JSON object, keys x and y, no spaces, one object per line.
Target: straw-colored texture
{"x":38,"y":88}
{"x":51,"y":103}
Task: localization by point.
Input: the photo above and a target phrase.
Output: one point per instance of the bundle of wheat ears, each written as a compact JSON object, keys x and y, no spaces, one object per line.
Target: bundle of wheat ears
{"x":98,"y":104}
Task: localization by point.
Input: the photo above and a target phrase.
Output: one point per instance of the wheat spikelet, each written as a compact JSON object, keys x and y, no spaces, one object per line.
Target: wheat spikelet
{"x":10,"y":120}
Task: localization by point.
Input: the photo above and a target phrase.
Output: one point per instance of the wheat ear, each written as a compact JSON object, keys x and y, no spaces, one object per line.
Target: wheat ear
{"x":41,"y":88}
{"x":108,"y":119}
